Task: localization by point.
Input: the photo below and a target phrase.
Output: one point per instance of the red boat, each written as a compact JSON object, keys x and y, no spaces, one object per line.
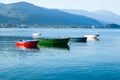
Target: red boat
{"x":27,"y":43}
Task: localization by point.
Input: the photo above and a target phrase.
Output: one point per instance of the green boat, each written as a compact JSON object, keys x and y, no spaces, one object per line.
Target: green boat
{"x":53,"y":41}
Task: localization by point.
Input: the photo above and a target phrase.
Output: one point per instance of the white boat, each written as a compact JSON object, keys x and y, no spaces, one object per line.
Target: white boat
{"x":36,"y":35}
{"x":92,"y":37}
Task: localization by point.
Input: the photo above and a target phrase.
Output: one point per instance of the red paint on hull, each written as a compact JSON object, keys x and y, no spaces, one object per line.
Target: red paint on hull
{"x":27,"y":44}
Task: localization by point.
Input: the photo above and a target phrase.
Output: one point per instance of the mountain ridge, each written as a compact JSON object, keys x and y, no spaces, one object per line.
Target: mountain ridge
{"x":27,"y":13}
{"x":101,"y":15}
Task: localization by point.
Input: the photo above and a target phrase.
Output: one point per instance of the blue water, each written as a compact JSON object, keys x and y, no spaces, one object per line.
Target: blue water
{"x":94,"y":60}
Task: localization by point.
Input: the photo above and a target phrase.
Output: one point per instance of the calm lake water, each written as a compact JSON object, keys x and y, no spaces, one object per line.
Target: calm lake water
{"x":94,"y":60}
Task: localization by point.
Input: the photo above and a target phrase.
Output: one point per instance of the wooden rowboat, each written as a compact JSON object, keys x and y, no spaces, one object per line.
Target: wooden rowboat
{"x":27,"y":43}
{"x":54,"y":41}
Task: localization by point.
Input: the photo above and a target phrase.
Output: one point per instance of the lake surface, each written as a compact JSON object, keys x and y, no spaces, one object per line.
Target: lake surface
{"x":93,"y":60}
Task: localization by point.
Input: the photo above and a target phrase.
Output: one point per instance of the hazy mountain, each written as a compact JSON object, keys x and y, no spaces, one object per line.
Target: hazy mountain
{"x":26,"y":13}
{"x":112,"y":26}
{"x":103,"y":15}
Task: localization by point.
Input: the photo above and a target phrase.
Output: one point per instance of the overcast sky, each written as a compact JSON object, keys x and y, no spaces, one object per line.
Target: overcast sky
{"x":90,"y":5}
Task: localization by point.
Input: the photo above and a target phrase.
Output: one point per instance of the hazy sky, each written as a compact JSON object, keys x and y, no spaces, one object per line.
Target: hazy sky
{"x":90,"y":5}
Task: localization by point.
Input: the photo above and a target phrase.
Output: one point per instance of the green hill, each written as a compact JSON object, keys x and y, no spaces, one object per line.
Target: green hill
{"x":112,"y":26}
{"x":26,"y":13}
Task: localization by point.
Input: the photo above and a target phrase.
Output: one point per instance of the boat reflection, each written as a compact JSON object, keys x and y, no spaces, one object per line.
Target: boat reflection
{"x":55,"y":46}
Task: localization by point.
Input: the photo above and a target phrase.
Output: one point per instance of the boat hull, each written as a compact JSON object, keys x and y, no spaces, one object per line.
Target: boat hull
{"x":54,"y":41}
{"x":92,"y":37}
{"x":27,"y":44}
{"x":81,"y":39}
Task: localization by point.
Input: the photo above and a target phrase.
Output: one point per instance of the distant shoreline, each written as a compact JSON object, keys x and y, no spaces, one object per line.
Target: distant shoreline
{"x":58,"y":27}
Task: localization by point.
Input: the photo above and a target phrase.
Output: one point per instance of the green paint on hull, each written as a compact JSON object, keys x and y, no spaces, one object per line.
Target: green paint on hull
{"x":53,"y":41}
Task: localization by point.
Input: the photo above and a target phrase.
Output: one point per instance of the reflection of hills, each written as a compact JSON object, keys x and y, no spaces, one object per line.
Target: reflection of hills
{"x":13,"y":38}
{"x":63,"y":46}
